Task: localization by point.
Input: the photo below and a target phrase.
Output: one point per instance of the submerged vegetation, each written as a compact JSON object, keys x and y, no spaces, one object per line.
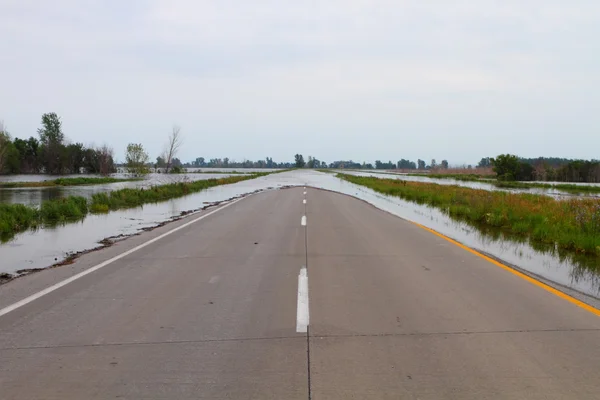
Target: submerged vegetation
{"x":16,"y":218}
{"x":65,"y":182}
{"x":127,"y":198}
{"x":571,"y":225}
{"x":565,"y":187}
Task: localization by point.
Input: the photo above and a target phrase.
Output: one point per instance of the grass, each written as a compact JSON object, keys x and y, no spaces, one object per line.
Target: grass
{"x":572,"y":225}
{"x":127,"y":198}
{"x":65,"y":182}
{"x":15,"y":218}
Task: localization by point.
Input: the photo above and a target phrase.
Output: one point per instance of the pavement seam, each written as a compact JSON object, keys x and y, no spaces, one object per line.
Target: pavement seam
{"x":457,"y":333}
{"x":174,"y":342}
{"x":308,"y":327}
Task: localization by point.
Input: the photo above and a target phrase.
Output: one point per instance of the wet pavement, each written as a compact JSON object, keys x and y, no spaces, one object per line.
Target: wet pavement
{"x":42,"y":248}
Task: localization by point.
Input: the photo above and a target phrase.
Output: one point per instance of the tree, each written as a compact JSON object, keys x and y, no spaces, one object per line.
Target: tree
{"x":160,"y":162}
{"x":199,"y":162}
{"x":106,"y":163}
{"x":485,"y":162}
{"x":433,"y":164}
{"x":299,"y":161}
{"x":51,"y":130}
{"x":175,"y":142}
{"x":74,"y":155}
{"x":52,"y":138}
{"x":28,"y":155}
{"x":4,"y":146}
{"x":136,"y":159}
{"x":421,"y":164}
{"x":445,"y":164}
{"x":506,"y":166}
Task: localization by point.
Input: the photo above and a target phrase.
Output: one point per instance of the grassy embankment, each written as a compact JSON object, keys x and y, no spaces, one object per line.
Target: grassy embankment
{"x":571,"y":225}
{"x":16,"y":218}
{"x":65,"y":182}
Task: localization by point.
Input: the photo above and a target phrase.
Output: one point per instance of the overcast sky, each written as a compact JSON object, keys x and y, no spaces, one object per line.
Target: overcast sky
{"x":335,"y":79}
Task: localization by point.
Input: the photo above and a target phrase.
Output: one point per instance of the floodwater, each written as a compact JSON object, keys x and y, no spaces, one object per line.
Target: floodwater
{"x":39,"y":249}
{"x":559,"y":194}
{"x":35,"y":196}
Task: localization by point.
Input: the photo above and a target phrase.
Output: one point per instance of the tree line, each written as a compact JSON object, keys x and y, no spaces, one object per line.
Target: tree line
{"x":510,"y":167}
{"x":51,"y":152}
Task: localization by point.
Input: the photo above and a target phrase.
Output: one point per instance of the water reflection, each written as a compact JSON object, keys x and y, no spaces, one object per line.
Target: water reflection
{"x":39,"y":249}
{"x":35,"y":196}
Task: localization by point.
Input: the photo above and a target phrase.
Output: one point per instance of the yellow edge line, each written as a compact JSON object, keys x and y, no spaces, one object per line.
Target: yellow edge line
{"x":521,"y":275}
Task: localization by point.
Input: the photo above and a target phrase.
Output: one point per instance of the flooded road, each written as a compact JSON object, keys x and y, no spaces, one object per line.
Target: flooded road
{"x":39,"y":249}
{"x":559,"y":194}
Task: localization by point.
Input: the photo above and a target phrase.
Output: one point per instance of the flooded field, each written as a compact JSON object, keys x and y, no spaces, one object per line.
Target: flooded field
{"x":477,"y":185}
{"x":35,"y":196}
{"x":39,"y":249}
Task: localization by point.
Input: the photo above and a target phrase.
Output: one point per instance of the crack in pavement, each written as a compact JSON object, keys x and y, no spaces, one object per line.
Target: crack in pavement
{"x":455,"y":333}
{"x":174,"y":342}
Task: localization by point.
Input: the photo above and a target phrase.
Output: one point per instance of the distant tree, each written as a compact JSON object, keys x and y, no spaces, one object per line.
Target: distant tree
{"x":323,"y":164}
{"x":160,"y":162}
{"x":28,"y":150}
{"x":5,"y":143}
{"x":406,"y":164}
{"x":136,"y":159}
{"x":485,"y":162}
{"x":52,"y":151}
{"x":299,"y":159}
{"x":433,"y":164}
{"x":173,"y":146}
{"x":311,"y":162}
{"x":74,"y":155}
{"x":506,"y":166}
{"x":106,"y":162}
{"x":51,"y":130}
{"x":269,"y":162}
{"x":421,"y":164}
{"x":445,"y":164}
{"x":199,"y":162}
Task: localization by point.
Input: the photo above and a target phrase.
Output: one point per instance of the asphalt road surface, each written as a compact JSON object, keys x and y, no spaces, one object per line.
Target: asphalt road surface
{"x":222,"y":308}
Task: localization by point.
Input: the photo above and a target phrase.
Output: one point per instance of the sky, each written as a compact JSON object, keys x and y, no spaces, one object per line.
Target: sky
{"x":337,"y":79}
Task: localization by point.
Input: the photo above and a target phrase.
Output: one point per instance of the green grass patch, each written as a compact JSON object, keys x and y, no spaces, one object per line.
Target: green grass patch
{"x":127,"y":198}
{"x":572,"y":225}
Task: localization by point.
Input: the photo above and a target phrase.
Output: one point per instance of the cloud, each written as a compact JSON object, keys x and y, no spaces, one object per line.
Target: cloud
{"x":417,"y":78}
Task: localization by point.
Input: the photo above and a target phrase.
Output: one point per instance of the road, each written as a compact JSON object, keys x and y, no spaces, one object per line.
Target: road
{"x":212,"y":311}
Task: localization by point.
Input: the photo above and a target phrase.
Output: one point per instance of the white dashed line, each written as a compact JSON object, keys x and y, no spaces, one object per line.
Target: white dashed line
{"x":302,"y":313}
{"x":303,"y":221}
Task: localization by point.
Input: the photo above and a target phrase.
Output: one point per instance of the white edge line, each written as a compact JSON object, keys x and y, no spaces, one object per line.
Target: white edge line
{"x":58,"y":285}
{"x":303,"y":220}
{"x":302,"y":311}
